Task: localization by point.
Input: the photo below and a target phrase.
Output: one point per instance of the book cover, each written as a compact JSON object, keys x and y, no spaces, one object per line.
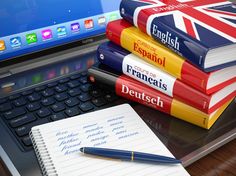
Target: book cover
{"x":140,"y":44}
{"x":138,"y":92}
{"x":201,"y":31}
{"x":131,"y":65}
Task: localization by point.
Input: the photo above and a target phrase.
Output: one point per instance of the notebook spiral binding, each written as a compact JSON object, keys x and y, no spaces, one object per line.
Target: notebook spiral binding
{"x":42,"y":154}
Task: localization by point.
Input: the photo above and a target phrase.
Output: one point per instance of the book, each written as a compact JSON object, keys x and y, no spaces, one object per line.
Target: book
{"x":57,"y":145}
{"x":140,"y":44}
{"x":136,"y":91}
{"x":131,"y":65}
{"x":201,"y":31}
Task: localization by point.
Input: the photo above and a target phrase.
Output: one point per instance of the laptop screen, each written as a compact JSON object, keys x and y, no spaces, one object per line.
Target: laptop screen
{"x":28,"y":26}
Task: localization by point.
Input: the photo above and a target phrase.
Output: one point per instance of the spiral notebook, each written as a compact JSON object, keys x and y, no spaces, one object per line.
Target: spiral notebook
{"x":57,"y":145}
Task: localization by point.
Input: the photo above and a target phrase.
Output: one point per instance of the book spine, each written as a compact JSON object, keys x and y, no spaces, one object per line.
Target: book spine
{"x":138,"y":92}
{"x":180,"y":42}
{"x":132,"y":66}
{"x":140,"y":44}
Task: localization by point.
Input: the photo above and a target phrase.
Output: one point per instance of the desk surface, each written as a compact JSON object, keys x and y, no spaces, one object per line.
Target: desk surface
{"x":221,"y":162}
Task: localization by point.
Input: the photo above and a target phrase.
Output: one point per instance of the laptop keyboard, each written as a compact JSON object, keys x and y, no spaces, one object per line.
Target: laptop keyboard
{"x":57,"y":100}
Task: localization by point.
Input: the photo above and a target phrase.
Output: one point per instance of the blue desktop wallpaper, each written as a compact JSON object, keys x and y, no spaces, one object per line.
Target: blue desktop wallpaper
{"x":21,"y":17}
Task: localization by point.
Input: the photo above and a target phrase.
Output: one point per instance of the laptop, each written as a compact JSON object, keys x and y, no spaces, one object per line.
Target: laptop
{"x":46,"y":48}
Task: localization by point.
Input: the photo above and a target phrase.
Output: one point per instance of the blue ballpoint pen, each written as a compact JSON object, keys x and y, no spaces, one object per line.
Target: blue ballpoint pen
{"x":129,"y":155}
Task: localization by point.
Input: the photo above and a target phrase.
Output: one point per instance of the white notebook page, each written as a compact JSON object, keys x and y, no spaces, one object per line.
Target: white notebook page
{"x":118,"y":127}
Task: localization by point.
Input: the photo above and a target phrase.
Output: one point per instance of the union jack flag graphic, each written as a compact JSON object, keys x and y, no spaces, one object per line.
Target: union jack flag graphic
{"x":198,"y":18}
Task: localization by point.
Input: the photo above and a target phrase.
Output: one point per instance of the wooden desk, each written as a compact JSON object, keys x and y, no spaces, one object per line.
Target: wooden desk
{"x":221,"y":162}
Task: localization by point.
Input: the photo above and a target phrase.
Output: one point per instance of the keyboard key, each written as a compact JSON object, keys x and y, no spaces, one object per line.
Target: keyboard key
{"x":85,"y":87}
{"x":73,"y":84}
{"x":58,"y":116}
{"x":84,"y":73}
{"x":27,"y":141}
{"x":76,"y":76}
{"x":27,"y":92}
{"x":48,"y":101}
{"x":84,"y":97}
{"x":61,"y":96}
{"x":83,"y":80}
{"x":40,"y":88}
{"x":52,"y":84}
{"x":22,"y":120}
{"x":58,"y":107}
{"x":96,"y":93}
{"x":43,"y":112}
{"x":13,"y":97}
{"x":34,"y":97}
{"x":33,"y":106}
{"x":24,"y":130}
{"x":19,"y":102}
{"x":74,"y":92}
{"x":14,"y":113}
{"x":64,"y":80}
{"x":3,"y":100}
{"x":72,"y":112}
{"x":86,"y":106}
{"x":5,"y":107}
{"x":99,"y":101}
{"x":47,"y":92}
{"x":60,"y":88}
{"x":72,"y":102}
{"x":111,"y":97}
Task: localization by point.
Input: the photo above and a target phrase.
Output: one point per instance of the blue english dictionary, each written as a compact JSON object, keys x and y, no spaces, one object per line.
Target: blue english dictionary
{"x":204,"y":32}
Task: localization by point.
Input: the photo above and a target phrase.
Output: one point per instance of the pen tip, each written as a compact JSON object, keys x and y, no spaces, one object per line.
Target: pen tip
{"x":82,"y":149}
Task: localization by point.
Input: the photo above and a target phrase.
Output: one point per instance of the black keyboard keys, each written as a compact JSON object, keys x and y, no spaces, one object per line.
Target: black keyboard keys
{"x":13,"y":97}
{"x":60,"y":88}
{"x":86,"y":106}
{"x":14,"y":113}
{"x":99,"y":101}
{"x":22,"y":120}
{"x":85,"y":87}
{"x":72,"y":102}
{"x":72,"y":112}
{"x":3,"y":100}
{"x":25,"y":129}
{"x":34,"y":97}
{"x":64,"y":80}
{"x":57,"y":116}
{"x":47,"y":92}
{"x":73,"y":84}
{"x":27,"y":92}
{"x":76,"y":76}
{"x":61,"y":96}
{"x":84,"y":97}
{"x":40,"y":88}
{"x":48,"y":101}
{"x":5,"y":107}
{"x":44,"y":112}
{"x":58,"y":107}
{"x":27,"y":141}
{"x":19,"y":102}
{"x":33,"y":106}
{"x":74,"y":92}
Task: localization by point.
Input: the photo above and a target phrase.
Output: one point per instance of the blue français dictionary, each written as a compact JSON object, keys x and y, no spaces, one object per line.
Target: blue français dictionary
{"x":204,"y":32}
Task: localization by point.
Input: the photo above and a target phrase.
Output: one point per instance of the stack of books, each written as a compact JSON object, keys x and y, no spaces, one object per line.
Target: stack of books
{"x":177,"y":57}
